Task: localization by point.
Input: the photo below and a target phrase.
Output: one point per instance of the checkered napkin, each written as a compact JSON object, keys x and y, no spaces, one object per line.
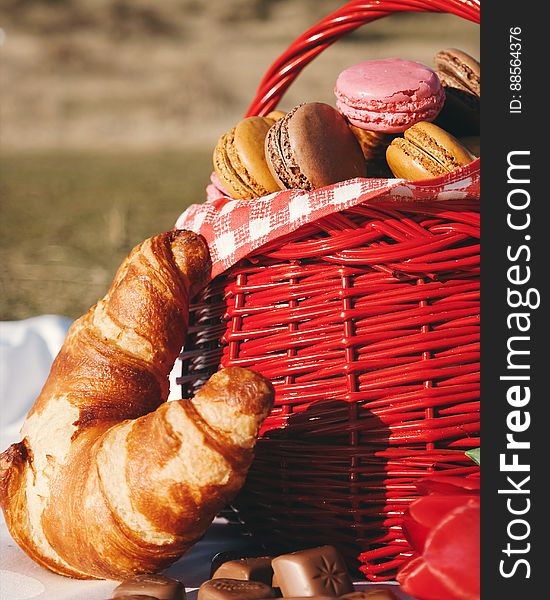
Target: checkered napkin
{"x":236,"y":228}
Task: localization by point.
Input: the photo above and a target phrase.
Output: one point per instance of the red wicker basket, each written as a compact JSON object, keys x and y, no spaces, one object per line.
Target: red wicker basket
{"x":367,"y":322}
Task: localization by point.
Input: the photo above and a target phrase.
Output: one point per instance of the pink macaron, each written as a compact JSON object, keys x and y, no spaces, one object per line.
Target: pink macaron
{"x":215,"y":190}
{"x":388,"y":95}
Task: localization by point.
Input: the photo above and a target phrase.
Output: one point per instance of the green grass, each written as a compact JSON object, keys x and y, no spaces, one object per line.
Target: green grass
{"x":67,"y":220}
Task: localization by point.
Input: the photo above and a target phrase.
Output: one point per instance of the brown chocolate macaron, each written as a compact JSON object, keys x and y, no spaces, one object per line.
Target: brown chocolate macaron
{"x":426,"y":151}
{"x":460,"y":75}
{"x":239,"y":160}
{"x":312,"y":146}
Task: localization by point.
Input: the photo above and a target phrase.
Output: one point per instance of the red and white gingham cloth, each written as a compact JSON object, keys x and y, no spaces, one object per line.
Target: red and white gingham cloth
{"x":235,"y":228}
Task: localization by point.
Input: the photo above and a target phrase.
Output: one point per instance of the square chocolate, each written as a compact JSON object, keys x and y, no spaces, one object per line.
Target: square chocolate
{"x":234,"y":589}
{"x":250,"y":569}
{"x":157,"y":586}
{"x":226,"y":555}
{"x":315,"y":572}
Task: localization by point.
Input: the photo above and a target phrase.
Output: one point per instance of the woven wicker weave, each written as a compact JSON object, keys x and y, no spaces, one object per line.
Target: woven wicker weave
{"x":367,"y":322}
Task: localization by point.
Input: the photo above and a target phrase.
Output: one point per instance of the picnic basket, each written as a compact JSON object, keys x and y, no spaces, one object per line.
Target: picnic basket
{"x":366,"y":320}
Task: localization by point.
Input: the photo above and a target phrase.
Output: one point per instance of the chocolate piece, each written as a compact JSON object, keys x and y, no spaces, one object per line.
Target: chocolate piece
{"x":254,"y":568}
{"x":234,"y":589}
{"x":372,"y":594}
{"x":157,"y":586}
{"x":317,"y":571}
{"x":275,"y":585}
{"x":222,"y":557}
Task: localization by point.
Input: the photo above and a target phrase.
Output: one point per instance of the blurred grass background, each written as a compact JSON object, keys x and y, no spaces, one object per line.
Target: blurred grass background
{"x":109,"y":111}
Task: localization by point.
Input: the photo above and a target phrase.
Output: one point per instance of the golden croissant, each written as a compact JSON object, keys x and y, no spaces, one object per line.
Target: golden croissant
{"x":110,"y":480}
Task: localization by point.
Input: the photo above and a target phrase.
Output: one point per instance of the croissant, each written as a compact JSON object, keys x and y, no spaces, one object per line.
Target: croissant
{"x":110,"y":480}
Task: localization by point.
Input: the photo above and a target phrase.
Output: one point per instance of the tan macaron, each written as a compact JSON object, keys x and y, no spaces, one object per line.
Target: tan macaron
{"x":373,"y":143}
{"x":426,"y":151}
{"x":276,"y":115}
{"x":239,"y":160}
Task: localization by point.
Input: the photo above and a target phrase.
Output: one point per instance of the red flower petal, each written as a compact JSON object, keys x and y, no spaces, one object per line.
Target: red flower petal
{"x":416,"y":579}
{"x":449,"y":485}
{"x":452,"y":551}
{"x":424,"y":514}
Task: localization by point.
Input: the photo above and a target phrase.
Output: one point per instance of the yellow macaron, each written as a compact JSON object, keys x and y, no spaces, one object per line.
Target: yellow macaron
{"x":239,"y":160}
{"x":426,"y":151}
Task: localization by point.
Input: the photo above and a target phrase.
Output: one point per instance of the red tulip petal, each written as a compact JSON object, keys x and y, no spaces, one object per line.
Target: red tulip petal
{"x":415,"y":533}
{"x":416,"y":579}
{"x":448,"y":485}
{"x":424,"y":514}
{"x":452,"y":551}
{"x":429,"y":510}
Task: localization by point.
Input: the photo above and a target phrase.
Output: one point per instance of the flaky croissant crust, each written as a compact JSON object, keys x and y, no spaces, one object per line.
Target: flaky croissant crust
{"x":109,"y":479}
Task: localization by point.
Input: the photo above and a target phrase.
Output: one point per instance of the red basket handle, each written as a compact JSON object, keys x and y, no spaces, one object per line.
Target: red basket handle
{"x":347,"y":18}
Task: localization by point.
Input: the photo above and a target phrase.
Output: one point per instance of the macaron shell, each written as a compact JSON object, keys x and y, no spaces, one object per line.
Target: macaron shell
{"x":457,"y":69}
{"x":406,"y":161}
{"x":378,"y":83}
{"x":224,"y":169}
{"x":323,"y":146}
{"x":275,"y":115}
{"x":213,"y":193}
{"x":373,"y":143}
{"x":439,"y":144}
{"x":275,"y":152}
{"x":459,"y":74}
{"x":392,"y":120}
{"x":388,"y":95}
{"x":215,"y":180}
{"x":247,"y":154}
{"x":426,"y":151}
{"x":239,"y":160}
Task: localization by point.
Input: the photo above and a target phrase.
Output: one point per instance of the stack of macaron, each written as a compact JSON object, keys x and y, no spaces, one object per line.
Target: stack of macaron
{"x":459,"y":74}
{"x":392,"y":117}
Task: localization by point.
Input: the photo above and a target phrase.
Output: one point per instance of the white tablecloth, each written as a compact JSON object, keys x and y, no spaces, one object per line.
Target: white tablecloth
{"x":22,"y":579}
{"x":27,"y":349}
